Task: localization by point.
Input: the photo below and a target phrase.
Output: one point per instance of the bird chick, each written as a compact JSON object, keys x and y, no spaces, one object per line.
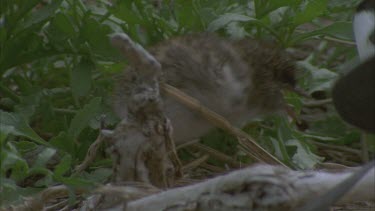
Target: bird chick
{"x":239,"y":80}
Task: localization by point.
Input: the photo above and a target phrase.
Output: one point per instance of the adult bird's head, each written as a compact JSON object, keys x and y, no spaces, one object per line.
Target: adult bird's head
{"x":364,"y":29}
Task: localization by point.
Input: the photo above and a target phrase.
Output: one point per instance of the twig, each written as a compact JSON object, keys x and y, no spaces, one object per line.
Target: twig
{"x":195,"y":163}
{"x":338,"y":40}
{"x":329,"y":38}
{"x":249,"y":145}
{"x":186,"y":144}
{"x":212,"y":168}
{"x":130,"y":191}
{"x":57,"y":206}
{"x":262,"y":187}
{"x":338,"y":148}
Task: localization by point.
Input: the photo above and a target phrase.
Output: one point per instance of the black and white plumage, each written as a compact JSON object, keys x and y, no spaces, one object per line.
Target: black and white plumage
{"x":354,"y":98}
{"x":354,"y":94}
{"x":364,"y":29}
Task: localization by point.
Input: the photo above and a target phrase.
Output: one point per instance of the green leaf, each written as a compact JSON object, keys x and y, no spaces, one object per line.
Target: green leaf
{"x":339,"y":30}
{"x":47,"y":179}
{"x":42,"y":15}
{"x":189,"y":17}
{"x":98,"y":41}
{"x":63,"y":166}
{"x":63,"y":142}
{"x":321,"y":79}
{"x":17,"y":10}
{"x":11,"y":194}
{"x":44,"y":157}
{"x":98,"y":175}
{"x":28,"y":104}
{"x":77,"y":182}
{"x":81,"y":77}
{"x":3,"y":136}
{"x":280,"y":149}
{"x":125,"y":11}
{"x":303,"y":158}
{"x":236,"y":31}
{"x":82,"y":118}
{"x":331,"y":126}
{"x":295,"y":100}
{"x":24,"y":146}
{"x":19,"y":170}
{"x":11,"y":160}
{"x":227,"y":18}
{"x":62,"y":23}
{"x":17,"y":125}
{"x":312,"y":10}
{"x":263,"y":7}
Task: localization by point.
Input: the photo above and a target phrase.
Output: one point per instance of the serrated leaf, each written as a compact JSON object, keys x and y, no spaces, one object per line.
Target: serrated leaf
{"x":82,"y":118}
{"x":17,"y":125}
{"x":81,"y":77}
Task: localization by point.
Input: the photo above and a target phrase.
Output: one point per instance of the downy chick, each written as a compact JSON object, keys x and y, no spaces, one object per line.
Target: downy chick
{"x":239,"y":80}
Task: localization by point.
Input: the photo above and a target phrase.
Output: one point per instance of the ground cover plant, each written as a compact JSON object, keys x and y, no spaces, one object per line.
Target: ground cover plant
{"x":57,"y":72}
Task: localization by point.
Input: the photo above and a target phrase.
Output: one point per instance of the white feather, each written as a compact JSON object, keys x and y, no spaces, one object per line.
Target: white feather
{"x":364,"y":26}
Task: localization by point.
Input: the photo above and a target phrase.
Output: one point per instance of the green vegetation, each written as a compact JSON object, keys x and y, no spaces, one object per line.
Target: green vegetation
{"x":57,"y":72}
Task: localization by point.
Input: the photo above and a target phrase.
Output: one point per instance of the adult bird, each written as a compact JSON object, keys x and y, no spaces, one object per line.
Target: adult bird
{"x":354,"y":98}
{"x":354,"y":94}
